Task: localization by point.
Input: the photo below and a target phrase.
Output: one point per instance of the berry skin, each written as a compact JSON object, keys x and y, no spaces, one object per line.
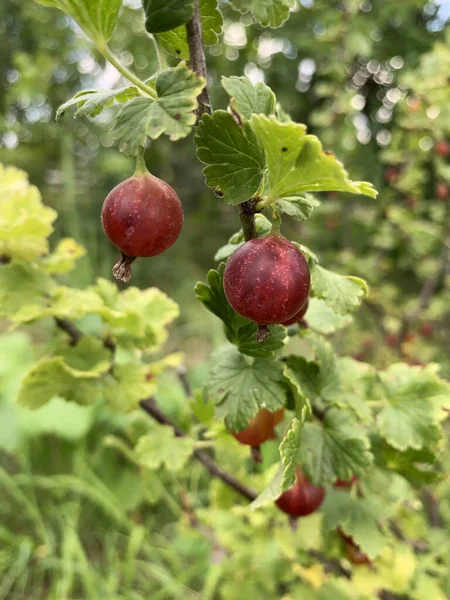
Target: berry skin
{"x":302,"y":499}
{"x":442,"y":148}
{"x":267,"y":280}
{"x":142,"y":216}
{"x":260,"y":428}
{"x":339,"y":483}
{"x":298,"y":316}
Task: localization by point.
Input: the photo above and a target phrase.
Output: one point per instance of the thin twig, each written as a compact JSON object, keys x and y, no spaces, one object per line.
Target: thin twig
{"x":182,"y":377}
{"x":431,"y":506}
{"x":150,"y":406}
{"x":332,"y":565}
{"x":72,"y":330}
{"x":198,"y":61}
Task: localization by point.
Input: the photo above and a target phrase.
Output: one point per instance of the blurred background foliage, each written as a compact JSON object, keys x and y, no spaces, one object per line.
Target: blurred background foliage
{"x":371,"y":79}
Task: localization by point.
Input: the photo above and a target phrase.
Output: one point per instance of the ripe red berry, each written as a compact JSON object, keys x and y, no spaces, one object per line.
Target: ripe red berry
{"x":442,"y":148}
{"x":426,"y":330}
{"x":267,"y":280}
{"x":391,"y":174}
{"x":298,"y":316}
{"x":345,"y":484}
{"x":442,"y":191}
{"x":142,"y":216}
{"x":391,"y":339}
{"x":260,"y":428}
{"x":302,"y":499}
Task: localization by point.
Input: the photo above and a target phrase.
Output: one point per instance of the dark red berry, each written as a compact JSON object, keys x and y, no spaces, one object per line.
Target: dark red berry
{"x":297,"y":317}
{"x":391,"y":340}
{"x":426,"y":330}
{"x":142,"y":216}
{"x":261,"y":427}
{"x":345,"y":484}
{"x":442,"y":148}
{"x":267,"y":280}
{"x":442,"y":191}
{"x":391,"y":174}
{"x":302,"y":499}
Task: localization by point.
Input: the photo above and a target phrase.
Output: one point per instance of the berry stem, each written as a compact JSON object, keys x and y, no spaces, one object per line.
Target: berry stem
{"x":247,"y":212}
{"x":122,"y":270}
{"x":256,"y":454}
{"x":141,"y":167}
{"x":106,"y":52}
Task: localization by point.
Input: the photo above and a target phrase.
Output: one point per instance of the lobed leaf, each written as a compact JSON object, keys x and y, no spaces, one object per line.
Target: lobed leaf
{"x":239,"y":386}
{"x":172,"y":112}
{"x":234,"y":157}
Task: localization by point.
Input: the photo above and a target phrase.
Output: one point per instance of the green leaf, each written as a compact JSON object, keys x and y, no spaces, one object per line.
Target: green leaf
{"x":342,"y":293}
{"x":289,"y":450}
{"x":52,"y":377}
{"x":268,"y":13}
{"x":272,"y":491}
{"x":413,"y":395}
{"x":419,"y":467}
{"x":164,"y":15}
{"x":62,"y":259}
{"x":234,"y":157}
{"x":239,"y":330}
{"x":97,"y":18}
{"x":247,"y":98}
{"x":175,"y":42}
{"x":284,"y":477}
{"x":239,"y":386}
{"x":162,"y":448}
{"x":358,"y":518}
{"x":321,"y":318}
{"x":297,"y":163}
{"x":58,"y":417}
{"x":202,"y":409}
{"x":90,"y":103}
{"x":297,"y":207}
{"x":137,"y":318}
{"x":172,"y":112}
{"x":90,"y":354}
{"x":25,"y":223}
{"x":22,"y":286}
{"x":127,"y":385}
{"x":356,"y":380}
{"x":263,"y":227}
{"x":337,"y":448}
{"x":317,"y":380}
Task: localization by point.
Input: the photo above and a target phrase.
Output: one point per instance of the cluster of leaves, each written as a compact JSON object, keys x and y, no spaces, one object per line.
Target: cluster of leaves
{"x":127,"y":324}
{"x":345,"y":418}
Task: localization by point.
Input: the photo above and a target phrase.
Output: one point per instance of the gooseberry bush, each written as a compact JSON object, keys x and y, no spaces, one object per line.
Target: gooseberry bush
{"x":359,"y":447}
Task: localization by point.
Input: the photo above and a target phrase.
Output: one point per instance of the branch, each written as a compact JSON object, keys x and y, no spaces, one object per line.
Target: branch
{"x":72,"y":330}
{"x":247,"y":212}
{"x":198,"y":61}
{"x":431,"y":506}
{"x":332,"y":565}
{"x":151,"y":408}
